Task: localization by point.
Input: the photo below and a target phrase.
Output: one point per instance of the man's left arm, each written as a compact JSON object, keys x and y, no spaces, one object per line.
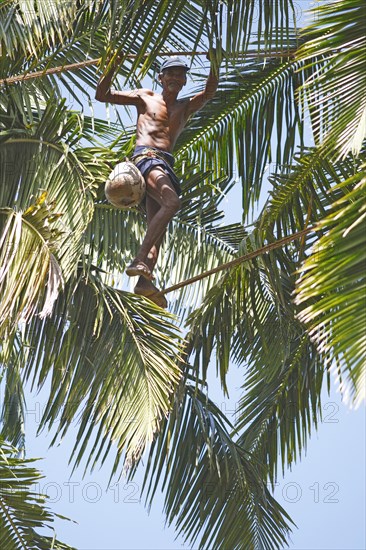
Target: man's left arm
{"x":199,"y":100}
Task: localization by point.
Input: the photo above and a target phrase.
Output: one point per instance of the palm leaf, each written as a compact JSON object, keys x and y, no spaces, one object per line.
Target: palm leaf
{"x":281,"y":403}
{"x":220,"y":136}
{"x":22,"y":510}
{"x":189,"y":251}
{"x":304,"y":191}
{"x":39,"y":221}
{"x":13,"y":411}
{"x":269,"y":24}
{"x":336,"y":91}
{"x":91,"y":31}
{"x":111,"y":358}
{"x":332,"y":286}
{"x":240,"y":319}
{"x":214,"y":492}
{"x":28,"y":266}
{"x":112,"y":241}
{"x":23,"y":25}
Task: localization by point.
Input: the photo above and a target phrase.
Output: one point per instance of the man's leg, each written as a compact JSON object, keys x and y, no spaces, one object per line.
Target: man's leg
{"x":162,"y":204}
{"x":152,"y":208}
{"x":144,"y":287}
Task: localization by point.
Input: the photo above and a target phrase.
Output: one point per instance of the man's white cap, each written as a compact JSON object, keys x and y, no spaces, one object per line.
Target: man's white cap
{"x":173,"y":62}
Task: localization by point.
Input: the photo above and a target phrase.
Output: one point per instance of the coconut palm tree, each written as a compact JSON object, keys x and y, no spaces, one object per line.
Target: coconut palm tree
{"x":285,"y":316}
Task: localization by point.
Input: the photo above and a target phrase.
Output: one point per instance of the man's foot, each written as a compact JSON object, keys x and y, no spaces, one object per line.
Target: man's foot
{"x":150,"y":291}
{"x":139,"y":268}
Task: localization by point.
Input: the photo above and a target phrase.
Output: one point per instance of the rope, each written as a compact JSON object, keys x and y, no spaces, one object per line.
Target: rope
{"x":238,"y":261}
{"x":75,"y":66}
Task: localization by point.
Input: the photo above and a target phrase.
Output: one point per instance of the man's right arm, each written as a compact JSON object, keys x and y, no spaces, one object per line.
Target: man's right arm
{"x":199,"y":100}
{"x":105,"y":94}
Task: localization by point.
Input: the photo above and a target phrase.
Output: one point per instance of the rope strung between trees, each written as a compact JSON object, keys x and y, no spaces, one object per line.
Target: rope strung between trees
{"x":240,"y":260}
{"x":81,"y":64}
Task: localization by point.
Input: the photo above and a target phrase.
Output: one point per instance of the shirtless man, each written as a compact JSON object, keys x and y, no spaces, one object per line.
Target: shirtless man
{"x":160,"y":120}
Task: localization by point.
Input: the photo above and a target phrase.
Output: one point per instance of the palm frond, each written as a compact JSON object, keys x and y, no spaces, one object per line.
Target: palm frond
{"x":32,"y":27}
{"x":242,"y":297}
{"x":112,"y":240}
{"x":112,"y":361}
{"x":41,"y":224}
{"x":232,"y":25}
{"x":93,"y":31}
{"x":220,"y":136}
{"x":13,"y":409}
{"x":48,"y":234}
{"x":189,"y":250}
{"x":22,"y":510}
{"x":336,"y":91}
{"x":305,"y":191}
{"x":249,"y":317}
{"x":281,"y":403}
{"x":28,"y":266}
{"x":214,"y":491}
{"x":332,"y":286}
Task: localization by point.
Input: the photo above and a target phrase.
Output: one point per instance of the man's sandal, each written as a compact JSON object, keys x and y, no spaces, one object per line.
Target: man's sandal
{"x":138,"y":268}
{"x":152,"y":294}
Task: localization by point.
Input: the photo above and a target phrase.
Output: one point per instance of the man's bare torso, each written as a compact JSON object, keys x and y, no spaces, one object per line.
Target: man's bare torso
{"x":160,"y":117}
{"x":159,"y":124}
{"x":160,"y":120}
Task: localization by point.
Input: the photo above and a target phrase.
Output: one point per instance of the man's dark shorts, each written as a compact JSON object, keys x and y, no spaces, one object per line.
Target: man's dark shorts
{"x":146,"y":158}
